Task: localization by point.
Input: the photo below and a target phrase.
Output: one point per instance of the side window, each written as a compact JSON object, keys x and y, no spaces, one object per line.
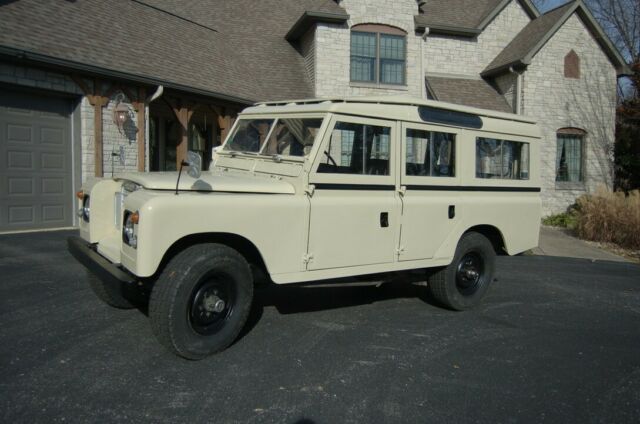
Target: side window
{"x":357,"y":149}
{"x":502,"y":159}
{"x":430,"y":154}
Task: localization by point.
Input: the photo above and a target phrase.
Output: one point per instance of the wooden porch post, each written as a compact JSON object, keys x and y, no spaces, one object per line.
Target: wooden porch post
{"x":140,"y":107}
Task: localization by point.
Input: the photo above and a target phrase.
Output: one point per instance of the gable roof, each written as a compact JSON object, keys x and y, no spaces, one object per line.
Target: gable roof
{"x":467,"y":92}
{"x":463,"y":17}
{"x":537,"y":33}
{"x":234,"y":50}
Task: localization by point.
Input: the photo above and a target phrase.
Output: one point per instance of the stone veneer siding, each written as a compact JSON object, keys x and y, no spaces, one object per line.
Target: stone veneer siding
{"x":470,"y":56}
{"x":308,"y":50}
{"x":587,"y":103}
{"x":333,"y":45}
{"x":507,"y":87}
{"x":32,"y":77}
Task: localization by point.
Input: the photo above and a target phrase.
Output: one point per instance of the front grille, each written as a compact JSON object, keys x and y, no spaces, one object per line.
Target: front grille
{"x":118,"y":207}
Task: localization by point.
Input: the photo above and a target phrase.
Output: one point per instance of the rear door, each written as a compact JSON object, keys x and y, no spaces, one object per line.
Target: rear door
{"x":430,"y":178}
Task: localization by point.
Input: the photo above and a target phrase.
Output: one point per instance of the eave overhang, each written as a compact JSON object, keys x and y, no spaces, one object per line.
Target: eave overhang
{"x":310,"y":18}
{"x":69,"y":65}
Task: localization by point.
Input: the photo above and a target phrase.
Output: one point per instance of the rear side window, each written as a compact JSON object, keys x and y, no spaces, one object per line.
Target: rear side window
{"x":429,"y":153}
{"x":502,"y":159}
{"x":357,"y":149}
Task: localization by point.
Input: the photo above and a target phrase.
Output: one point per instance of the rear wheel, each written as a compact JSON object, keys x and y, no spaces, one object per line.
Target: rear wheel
{"x":111,"y":294}
{"x":201,"y":301}
{"x":464,"y":283}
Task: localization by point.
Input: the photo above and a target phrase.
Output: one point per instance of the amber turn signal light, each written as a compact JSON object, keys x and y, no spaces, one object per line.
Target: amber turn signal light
{"x":135,"y":217}
{"x":80,"y":195}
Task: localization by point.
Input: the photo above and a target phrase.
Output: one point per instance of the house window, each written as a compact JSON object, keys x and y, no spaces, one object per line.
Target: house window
{"x":572,"y":65}
{"x":569,"y":155}
{"x":378,"y":54}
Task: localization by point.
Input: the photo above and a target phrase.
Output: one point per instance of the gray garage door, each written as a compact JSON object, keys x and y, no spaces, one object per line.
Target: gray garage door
{"x":35,"y":162}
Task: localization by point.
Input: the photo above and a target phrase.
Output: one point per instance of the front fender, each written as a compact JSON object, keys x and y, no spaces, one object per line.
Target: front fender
{"x":277,"y":224}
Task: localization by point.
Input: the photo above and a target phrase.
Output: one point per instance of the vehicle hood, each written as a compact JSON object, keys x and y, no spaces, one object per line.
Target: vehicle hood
{"x":208,"y":181}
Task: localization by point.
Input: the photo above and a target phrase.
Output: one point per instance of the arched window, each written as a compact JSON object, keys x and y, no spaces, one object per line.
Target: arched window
{"x":572,"y":65}
{"x":378,"y":54}
{"x":570,"y":155}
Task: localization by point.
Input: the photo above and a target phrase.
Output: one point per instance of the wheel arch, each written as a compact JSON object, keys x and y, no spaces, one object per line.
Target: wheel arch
{"x":239,"y":243}
{"x":494,"y":235}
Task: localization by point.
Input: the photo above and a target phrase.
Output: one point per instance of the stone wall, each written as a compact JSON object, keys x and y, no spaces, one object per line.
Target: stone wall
{"x":333,"y":45}
{"x":114,"y":140}
{"x":470,"y":56}
{"x":507,"y":87}
{"x":587,"y":103}
{"x":308,"y":50}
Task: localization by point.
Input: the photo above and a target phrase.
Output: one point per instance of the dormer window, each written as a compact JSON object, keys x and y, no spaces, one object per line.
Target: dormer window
{"x":378,"y":54}
{"x":572,"y":65}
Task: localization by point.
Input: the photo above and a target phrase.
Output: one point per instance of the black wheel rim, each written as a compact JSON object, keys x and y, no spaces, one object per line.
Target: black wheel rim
{"x":211,"y":304}
{"x":470,"y":273}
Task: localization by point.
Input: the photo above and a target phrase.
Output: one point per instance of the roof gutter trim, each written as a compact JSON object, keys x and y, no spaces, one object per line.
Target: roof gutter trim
{"x":309,"y":18}
{"x":77,"y":66}
{"x":446,"y":29}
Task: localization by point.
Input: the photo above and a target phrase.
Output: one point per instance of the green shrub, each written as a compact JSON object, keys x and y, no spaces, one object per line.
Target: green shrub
{"x":564,"y":220}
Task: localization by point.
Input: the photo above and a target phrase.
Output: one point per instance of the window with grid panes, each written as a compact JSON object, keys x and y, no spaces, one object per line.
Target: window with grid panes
{"x":378,"y":56}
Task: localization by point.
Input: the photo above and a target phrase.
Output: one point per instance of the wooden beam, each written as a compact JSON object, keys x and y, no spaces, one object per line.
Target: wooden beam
{"x":183,"y":143}
{"x":225,"y":123}
{"x":140,"y":107}
{"x":97,"y":138}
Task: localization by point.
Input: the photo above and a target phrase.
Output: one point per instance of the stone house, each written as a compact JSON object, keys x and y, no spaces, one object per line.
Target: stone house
{"x":90,"y":88}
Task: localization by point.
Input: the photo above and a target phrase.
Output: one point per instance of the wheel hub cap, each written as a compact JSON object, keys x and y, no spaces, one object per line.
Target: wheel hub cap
{"x":213,"y":303}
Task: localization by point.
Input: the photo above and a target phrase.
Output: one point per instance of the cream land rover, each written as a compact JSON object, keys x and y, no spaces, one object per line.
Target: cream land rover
{"x":312,"y":191}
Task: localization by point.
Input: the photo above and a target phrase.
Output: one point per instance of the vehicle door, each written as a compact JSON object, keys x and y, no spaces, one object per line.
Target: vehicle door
{"x":355,"y":207}
{"x":429,"y":179}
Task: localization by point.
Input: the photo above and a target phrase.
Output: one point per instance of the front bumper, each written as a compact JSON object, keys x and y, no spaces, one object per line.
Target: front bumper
{"x":106,"y":271}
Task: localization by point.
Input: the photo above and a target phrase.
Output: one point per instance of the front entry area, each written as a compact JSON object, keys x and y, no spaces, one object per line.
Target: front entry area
{"x":36,"y":169}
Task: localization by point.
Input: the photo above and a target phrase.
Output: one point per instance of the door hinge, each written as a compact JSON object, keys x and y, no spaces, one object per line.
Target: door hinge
{"x":402,"y":190}
{"x":309,"y":190}
{"x":400,"y":251}
{"x":306,"y":258}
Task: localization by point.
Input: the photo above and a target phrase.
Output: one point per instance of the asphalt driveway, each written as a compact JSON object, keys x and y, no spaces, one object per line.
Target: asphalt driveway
{"x":557,"y":340}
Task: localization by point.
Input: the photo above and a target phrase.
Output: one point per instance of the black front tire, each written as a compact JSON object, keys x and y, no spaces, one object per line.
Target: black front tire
{"x":112,"y":295}
{"x":201,"y":300}
{"x":464,"y":283}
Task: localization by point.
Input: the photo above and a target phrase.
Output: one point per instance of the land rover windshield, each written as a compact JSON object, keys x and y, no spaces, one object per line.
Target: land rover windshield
{"x":274,"y":136}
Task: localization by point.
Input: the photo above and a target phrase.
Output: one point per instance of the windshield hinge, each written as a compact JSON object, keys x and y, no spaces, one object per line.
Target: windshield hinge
{"x":309,"y":190}
{"x":306,"y":258}
{"x":402,"y":190}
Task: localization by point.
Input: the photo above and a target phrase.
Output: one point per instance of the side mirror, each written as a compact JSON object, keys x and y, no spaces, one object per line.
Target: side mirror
{"x":194,"y":161}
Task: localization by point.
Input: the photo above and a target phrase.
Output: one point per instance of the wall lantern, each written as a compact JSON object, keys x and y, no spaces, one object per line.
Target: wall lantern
{"x":120,"y":113}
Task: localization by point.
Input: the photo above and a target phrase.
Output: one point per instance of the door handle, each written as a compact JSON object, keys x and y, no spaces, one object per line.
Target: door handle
{"x":384,"y":219}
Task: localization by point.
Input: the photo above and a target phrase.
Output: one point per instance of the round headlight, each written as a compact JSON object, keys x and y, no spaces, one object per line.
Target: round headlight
{"x":128,"y":230}
{"x":85,"y":210}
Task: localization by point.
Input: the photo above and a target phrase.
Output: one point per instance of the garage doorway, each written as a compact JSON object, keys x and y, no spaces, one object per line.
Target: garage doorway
{"x":36,"y":161}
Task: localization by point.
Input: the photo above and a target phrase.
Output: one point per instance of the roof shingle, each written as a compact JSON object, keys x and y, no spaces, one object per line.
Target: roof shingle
{"x":244,"y":54}
{"x":528,"y":38}
{"x":467,"y":92}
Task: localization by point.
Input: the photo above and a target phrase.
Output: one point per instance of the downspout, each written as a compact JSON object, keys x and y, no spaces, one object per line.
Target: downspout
{"x":423,"y":84}
{"x":156,"y":95}
{"x":518,"y":91}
